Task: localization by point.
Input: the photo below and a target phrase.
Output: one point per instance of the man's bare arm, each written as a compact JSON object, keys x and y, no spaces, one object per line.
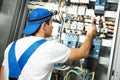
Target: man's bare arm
{"x":2,"y":73}
{"x":82,"y":52}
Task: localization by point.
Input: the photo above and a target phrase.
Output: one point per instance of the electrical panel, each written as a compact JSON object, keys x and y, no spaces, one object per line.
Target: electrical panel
{"x":69,"y":28}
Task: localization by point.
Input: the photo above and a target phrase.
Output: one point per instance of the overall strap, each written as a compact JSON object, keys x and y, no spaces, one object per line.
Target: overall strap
{"x":24,"y":58}
{"x":14,"y":70}
{"x":15,"y":67}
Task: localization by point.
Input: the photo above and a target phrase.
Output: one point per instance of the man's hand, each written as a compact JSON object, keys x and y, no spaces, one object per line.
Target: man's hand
{"x":92,"y":31}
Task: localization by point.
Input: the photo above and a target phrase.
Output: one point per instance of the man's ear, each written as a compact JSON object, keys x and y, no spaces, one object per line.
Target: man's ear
{"x":43,"y":26}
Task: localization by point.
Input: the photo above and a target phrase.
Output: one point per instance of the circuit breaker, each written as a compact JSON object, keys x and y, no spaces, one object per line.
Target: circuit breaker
{"x":100,"y":7}
{"x":92,"y":59}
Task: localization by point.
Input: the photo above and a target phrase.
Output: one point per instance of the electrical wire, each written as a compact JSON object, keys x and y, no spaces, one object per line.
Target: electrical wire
{"x":82,"y":74}
{"x":76,"y":71}
{"x":61,"y":67}
{"x":93,"y":74}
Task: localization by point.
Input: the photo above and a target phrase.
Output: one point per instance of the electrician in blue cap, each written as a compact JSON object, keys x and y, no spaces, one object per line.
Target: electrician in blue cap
{"x":33,"y":57}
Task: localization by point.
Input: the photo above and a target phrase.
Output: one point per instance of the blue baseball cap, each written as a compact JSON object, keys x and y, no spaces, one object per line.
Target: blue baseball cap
{"x":36,"y":18}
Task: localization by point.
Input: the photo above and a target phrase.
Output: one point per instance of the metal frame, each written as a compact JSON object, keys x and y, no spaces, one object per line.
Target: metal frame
{"x":114,"y":55}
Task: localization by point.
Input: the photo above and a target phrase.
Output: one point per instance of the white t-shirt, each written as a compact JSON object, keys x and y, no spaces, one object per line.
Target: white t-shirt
{"x":41,"y":63}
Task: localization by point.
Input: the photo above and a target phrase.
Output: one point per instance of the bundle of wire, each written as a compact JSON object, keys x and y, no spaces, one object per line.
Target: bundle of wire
{"x":78,"y":72}
{"x":88,"y":75}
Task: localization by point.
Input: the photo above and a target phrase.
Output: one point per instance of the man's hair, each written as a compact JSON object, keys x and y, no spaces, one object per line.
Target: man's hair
{"x":40,"y":26}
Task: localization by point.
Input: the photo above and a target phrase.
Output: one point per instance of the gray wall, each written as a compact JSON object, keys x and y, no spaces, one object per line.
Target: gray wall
{"x":1,"y":3}
{"x":11,"y":15}
{"x":6,"y":16}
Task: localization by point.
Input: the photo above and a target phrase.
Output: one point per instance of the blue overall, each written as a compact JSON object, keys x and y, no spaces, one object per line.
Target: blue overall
{"x":15,"y":67}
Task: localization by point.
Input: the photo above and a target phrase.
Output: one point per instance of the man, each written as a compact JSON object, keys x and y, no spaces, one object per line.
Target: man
{"x":41,"y":63}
